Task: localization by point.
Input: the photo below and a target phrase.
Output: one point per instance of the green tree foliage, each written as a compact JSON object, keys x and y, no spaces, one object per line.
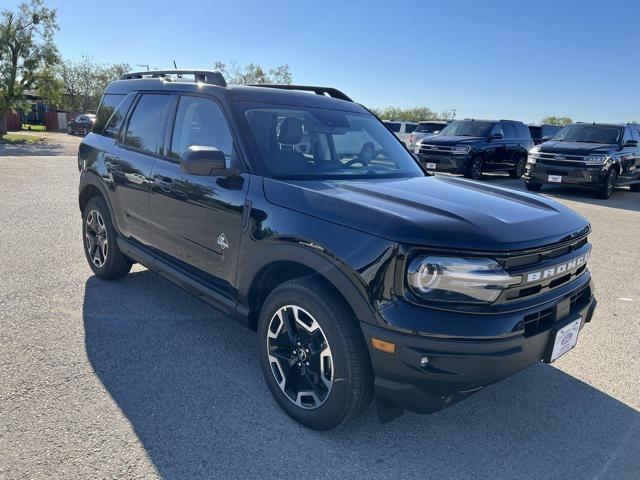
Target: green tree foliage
{"x":416,"y":114}
{"x":26,"y":48}
{"x":556,"y":120}
{"x":84,"y":82}
{"x":254,"y":74}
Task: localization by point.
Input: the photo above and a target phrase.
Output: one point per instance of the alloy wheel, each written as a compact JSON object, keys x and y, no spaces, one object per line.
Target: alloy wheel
{"x":96,"y":238}
{"x":300,"y":357}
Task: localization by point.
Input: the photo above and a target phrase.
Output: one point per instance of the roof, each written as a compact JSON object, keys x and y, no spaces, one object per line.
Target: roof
{"x":238,"y":93}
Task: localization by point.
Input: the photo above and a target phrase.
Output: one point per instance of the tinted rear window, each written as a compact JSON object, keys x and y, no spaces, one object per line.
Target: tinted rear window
{"x":144,"y":127}
{"x":393,"y":126}
{"x":107,"y":107}
{"x":536,"y":132}
{"x":429,"y":127}
{"x":409,"y":127}
{"x":112,"y":128}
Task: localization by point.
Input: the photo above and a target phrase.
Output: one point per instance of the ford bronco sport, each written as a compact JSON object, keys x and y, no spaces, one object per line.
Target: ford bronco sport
{"x":595,"y":156}
{"x":362,"y":275}
{"x":472,"y":147}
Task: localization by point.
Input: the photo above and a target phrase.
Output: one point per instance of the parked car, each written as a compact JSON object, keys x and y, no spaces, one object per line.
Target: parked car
{"x":542,"y":133}
{"x":82,"y":124}
{"x":362,"y":275}
{"x":424,"y":130}
{"x":400,"y":129}
{"x":596,"y":156}
{"x":472,"y":147}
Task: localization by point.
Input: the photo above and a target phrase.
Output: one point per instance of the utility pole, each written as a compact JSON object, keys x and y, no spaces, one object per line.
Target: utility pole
{"x":453,"y":113}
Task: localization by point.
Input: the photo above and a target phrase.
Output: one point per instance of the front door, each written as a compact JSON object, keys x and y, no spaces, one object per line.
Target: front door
{"x":197,"y":220}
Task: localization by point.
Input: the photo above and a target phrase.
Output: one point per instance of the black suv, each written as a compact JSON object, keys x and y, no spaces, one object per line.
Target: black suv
{"x":472,"y":147}
{"x":597,"y":156}
{"x":362,"y":274}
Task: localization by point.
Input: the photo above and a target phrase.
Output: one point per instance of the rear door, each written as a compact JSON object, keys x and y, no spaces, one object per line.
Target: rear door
{"x":197,"y":220}
{"x":129,"y":162}
{"x":630,"y":156}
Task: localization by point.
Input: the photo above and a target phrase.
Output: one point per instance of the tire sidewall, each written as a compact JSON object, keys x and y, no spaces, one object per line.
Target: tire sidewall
{"x":333,"y":410}
{"x":604,"y":192}
{"x":480,"y":163}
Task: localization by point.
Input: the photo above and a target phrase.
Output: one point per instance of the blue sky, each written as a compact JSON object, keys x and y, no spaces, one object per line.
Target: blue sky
{"x":507,"y":59}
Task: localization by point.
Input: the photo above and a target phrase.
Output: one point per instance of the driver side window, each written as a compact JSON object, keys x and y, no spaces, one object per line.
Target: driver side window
{"x":200,"y":121}
{"x":497,"y":128}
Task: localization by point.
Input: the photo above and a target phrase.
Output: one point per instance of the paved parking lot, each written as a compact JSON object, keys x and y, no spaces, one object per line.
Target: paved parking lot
{"x":138,"y":379}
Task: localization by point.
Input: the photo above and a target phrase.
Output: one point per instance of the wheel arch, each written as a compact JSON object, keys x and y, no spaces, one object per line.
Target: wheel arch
{"x":281,"y":263}
{"x":91,"y":186}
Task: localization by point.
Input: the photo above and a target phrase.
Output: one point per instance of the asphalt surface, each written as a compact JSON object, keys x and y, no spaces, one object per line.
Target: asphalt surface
{"x":138,"y":379}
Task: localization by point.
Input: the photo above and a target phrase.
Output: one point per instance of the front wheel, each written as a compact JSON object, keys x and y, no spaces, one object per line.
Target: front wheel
{"x":518,"y":171}
{"x":475,"y":168}
{"x":608,"y":184}
{"x":313,"y":355}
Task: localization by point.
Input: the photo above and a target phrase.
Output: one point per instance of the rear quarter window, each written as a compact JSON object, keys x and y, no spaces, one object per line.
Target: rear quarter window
{"x":410,"y":127}
{"x":393,"y":126}
{"x":107,"y":106}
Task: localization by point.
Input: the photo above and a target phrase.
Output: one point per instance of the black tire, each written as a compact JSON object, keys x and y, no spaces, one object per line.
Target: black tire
{"x":349,"y":358}
{"x":532,"y":186}
{"x":635,"y":187}
{"x":608,"y":184}
{"x":475,"y":168}
{"x":114,"y":263}
{"x":518,"y":171}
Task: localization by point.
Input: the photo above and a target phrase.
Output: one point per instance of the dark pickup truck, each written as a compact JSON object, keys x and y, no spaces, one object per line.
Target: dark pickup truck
{"x":363,"y":275}
{"x":471,"y":147}
{"x":596,"y":156}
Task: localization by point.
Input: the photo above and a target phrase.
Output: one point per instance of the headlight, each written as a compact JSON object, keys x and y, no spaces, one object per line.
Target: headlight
{"x":458,"y":280}
{"x":417,"y":149}
{"x":460,"y":149}
{"x":597,"y":159}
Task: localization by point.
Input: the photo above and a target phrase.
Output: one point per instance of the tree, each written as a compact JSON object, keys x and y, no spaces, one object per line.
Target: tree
{"x":556,"y":120}
{"x":84,"y":82}
{"x":253,"y":74}
{"x":416,"y":114}
{"x":26,"y":47}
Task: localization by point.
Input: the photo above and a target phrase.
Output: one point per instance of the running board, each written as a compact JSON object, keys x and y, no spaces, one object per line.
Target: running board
{"x":165,"y":269}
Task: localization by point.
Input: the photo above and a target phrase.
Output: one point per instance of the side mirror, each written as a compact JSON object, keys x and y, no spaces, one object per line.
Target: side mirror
{"x":496,"y":136}
{"x":205,"y":161}
{"x":631,"y":143}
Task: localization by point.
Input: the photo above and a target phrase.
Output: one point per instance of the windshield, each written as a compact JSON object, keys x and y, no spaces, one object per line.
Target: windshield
{"x":468,"y":129}
{"x":590,"y":134}
{"x":429,"y":127}
{"x":310,"y":143}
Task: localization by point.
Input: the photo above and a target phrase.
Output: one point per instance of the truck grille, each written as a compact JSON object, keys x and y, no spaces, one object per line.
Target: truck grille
{"x":435,"y":149}
{"x":558,"y":158}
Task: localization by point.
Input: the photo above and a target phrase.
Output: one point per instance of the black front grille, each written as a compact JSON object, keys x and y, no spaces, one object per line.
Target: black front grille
{"x":542,"y":320}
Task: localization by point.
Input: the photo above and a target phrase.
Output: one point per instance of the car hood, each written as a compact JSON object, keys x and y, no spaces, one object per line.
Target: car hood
{"x":575,"y":148}
{"x":436,"y":211}
{"x":453,"y":140}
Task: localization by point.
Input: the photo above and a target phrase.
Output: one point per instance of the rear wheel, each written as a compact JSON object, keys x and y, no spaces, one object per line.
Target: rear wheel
{"x":99,"y":238}
{"x":312,"y":355}
{"x":533,"y":187}
{"x":608,"y":184}
{"x":475,"y":168}
{"x":518,"y":171}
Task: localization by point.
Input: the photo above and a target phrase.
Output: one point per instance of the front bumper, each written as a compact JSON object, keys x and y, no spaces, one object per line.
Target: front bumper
{"x":592,"y":176}
{"x":460,"y":366}
{"x":444,"y":162}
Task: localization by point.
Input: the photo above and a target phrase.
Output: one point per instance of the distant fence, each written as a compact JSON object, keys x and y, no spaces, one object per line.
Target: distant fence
{"x":13,"y":121}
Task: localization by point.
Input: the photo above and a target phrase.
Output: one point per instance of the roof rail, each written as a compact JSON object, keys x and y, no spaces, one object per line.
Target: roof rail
{"x":332,"y":92}
{"x":204,"y":76}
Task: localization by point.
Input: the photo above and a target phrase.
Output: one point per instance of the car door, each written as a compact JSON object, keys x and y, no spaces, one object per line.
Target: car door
{"x":129,"y":163}
{"x":494,"y":154}
{"x":511,"y":145}
{"x":197,"y":220}
{"x":629,"y":156}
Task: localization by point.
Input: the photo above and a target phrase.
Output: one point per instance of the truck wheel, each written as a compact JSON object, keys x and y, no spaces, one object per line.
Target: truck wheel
{"x":518,"y":171}
{"x":635,"y":187}
{"x":313,"y":356}
{"x":99,"y":238}
{"x":533,"y":187}
{"x":475,"y":168}
{"x":608,"y":184}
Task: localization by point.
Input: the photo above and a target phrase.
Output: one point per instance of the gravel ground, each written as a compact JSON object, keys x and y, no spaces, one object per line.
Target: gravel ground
{"x":137,"y":379}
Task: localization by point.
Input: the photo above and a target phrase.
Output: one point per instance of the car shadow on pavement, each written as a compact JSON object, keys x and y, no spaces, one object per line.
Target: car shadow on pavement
{"x":187,"y":379}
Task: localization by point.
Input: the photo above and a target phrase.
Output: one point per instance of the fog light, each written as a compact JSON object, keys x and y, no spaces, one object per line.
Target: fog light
{"x":424,"y":361}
